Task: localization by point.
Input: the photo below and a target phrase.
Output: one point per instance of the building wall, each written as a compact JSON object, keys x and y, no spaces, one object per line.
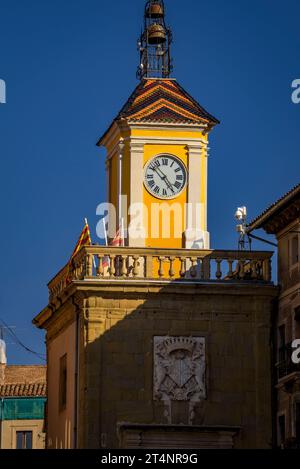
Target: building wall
{"x":288,"y":384}
{"x":118,"y":327}
{"x":10,"y":427}
{"x":288,"y":275}
{"x":155,"y":227}
{"x":60,"y":423}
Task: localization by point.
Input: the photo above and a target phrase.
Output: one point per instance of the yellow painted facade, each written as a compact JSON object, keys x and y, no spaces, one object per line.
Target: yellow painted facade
{"x":174,"y":141}
{"x":155,"y":238}
{"x":8,"y":437}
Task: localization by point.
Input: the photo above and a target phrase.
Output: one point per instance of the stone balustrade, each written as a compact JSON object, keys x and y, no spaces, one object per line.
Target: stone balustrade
{"x":166,"y":265}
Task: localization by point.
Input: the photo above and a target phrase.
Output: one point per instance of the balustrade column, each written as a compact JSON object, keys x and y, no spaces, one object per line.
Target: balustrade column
{"x":100,"y":270}
{"x":171,"y":271}
{"x":89,"y":265}
{"x":267,"y":270}
{"x":182,"y":272}
{"x":112,"y":266}
{"x":230,"y":266}
{"x":161,"y":267}
{"x":219,"y":271}
{"x":135,"y":266}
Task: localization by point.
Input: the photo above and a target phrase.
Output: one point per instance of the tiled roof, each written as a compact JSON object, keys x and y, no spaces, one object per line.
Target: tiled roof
{"x":163,"y":101}
{"x":23,"y":390}
{"x":155,"y":100}
{"x":270,"y":211}
{"x":28,"y":374}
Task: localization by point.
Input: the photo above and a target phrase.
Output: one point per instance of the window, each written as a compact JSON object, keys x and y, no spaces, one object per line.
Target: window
{"x":281,"y":344}
{"x":281,"y":429}
{"x":297,"y":314}
{"x":63,"y":383}
{"x":298,"y":422}
{"x":24,"y":440}
{"x":294,"y":250}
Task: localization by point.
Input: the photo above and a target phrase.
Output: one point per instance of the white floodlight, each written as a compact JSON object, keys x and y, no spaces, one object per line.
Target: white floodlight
{"x":241,"y":213}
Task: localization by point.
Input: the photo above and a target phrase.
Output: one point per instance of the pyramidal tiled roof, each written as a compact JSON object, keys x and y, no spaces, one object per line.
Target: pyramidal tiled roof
{"x":163,"y":101}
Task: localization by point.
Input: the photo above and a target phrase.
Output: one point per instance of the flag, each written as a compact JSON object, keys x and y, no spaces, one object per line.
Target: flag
{"x":84,"y":240}
{"x":118,"y":241}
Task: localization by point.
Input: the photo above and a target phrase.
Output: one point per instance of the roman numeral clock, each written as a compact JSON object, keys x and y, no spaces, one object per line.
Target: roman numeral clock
{"x":165,"y":176}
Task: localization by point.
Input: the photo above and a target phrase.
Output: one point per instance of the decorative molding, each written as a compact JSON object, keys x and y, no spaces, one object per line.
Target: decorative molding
{"x":117,"y":149}
{"x":167,"y":126}
{"x":167,"y":141}
{"x":110,"y":136}
{"x":137,"y":436}
{"x":283,"y":218}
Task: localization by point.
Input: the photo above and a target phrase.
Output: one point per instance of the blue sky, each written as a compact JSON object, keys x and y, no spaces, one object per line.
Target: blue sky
{"x":69,"y":66}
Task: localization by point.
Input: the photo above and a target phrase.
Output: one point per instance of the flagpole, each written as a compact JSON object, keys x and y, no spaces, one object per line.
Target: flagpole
{"x":87,"y":224}
{"x":105,"y":232}
{"x":123,"y":232}
{"x":120,"y":187}
{"x":106,"y":259}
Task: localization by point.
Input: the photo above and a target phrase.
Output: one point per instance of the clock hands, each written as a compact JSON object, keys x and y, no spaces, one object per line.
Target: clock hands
{"x":164,"y":178}
{"x":158,"y":188}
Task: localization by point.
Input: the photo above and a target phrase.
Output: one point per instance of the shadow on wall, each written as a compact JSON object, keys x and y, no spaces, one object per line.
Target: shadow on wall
{"x":181,"y":365}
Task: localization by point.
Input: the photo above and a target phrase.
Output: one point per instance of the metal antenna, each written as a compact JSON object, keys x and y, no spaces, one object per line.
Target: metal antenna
{"x":244,"y":239}
{"x":154,"y":44}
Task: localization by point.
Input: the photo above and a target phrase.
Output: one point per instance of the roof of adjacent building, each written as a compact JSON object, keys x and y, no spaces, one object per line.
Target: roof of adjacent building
{"x":23,"y":390}
{"x":290,"y":201}
{"x":163,"y":101}
{"x":24,"y":381}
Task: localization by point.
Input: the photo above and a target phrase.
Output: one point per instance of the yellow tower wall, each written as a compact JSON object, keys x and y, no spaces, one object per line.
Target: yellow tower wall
{"x":184,"y":143}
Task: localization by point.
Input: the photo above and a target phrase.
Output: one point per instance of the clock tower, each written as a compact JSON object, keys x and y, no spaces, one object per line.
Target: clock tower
{"x":157,"y":152}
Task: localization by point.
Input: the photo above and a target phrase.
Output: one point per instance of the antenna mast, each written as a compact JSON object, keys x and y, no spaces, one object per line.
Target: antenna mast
{"x":154,"y":44}
{"x":244,"y":239}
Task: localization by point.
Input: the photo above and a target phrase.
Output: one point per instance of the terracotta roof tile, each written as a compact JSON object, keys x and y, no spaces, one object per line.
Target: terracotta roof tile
{"x":163,"y":100}
{"x":169,"y":95}
{"x":16,"y":374}
{"x":23,"y":390}
{"x":272,"y":209}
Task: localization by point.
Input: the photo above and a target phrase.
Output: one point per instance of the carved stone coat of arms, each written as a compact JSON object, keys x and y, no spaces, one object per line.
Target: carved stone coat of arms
{"x":179,"y":369}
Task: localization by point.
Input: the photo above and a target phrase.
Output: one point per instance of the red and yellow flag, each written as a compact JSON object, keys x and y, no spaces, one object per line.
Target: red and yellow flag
{"x":84,"y":240}
{"x":118,"y":241}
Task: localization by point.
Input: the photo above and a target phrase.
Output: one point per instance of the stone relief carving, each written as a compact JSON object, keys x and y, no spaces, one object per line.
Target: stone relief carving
{"x":179,"y":371}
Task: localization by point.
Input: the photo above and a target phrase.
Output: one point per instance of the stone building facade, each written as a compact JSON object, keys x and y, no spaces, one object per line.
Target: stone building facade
{"x":160,"y":362}
{"x":282,"y":219}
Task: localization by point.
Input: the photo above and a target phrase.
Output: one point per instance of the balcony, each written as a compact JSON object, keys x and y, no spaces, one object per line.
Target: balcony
{"x":285,"y":367}
{"x":97,"y":263}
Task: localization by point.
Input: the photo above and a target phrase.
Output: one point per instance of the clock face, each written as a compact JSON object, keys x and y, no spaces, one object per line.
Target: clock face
{"x":165,"y":177}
